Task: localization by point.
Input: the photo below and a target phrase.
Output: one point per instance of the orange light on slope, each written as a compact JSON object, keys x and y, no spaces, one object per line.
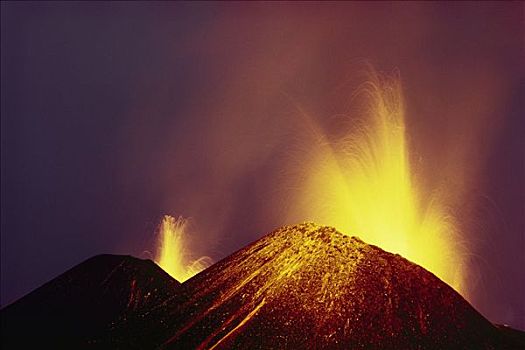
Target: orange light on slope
{"x":172,"y":251}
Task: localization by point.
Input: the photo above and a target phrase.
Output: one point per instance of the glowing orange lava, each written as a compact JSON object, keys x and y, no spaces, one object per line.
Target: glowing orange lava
{"x":362,"y":184}
{"x":172,"y":251}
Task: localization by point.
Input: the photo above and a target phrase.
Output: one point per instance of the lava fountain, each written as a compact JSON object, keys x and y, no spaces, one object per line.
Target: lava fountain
{"x":362,"y":184}
{"x":173,"y":254}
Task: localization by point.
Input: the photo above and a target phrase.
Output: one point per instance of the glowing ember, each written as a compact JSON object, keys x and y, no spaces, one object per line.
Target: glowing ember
{"x":362,"y":184}
{"x":172,"y":252}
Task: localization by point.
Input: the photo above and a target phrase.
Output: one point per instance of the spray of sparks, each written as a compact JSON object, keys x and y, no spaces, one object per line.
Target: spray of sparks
{"x":173,"y":252}
{"x":362,"y":184}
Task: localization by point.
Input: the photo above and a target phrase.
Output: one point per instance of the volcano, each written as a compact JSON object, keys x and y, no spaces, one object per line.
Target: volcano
{"x":82,"y":303}
{"x":299,"y":287}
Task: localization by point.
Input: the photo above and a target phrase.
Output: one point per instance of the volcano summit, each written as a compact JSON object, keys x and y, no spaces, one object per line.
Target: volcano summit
{"x":299,"y":287}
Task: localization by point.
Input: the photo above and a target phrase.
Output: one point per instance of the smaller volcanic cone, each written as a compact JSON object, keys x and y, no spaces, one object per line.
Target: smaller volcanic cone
{"x":82,"y":303}
{"x":311,"y":287}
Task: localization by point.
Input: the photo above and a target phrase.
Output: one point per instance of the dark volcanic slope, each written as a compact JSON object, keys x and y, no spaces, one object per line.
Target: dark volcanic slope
{"x":79,"y":305}
{"x":299,"y":287}
{"x":308,"y":286}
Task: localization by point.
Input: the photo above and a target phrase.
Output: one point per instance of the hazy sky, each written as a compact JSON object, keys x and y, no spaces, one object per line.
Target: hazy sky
{"x":114,"y":114}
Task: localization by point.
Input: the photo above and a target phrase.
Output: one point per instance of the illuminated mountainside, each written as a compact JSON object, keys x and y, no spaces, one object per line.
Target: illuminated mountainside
{"x":308,"y":286}
{"x":299,"y":287}
{"x":83,"y":302}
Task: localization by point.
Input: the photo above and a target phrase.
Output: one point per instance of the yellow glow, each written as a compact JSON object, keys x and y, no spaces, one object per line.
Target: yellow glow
{"x":362,"y":184}
{"x":172,"y":251}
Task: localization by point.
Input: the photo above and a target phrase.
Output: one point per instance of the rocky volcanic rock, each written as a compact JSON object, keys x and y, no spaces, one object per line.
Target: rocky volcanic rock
{"x":311,"y":287}
{"x":299,"y":287}
{"x":81,"y":304}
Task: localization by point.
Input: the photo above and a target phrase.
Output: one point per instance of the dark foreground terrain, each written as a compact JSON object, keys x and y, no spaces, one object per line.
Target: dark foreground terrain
{"x":299,"y":287}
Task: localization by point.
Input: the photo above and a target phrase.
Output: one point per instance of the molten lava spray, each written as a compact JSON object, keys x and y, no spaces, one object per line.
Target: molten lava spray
{"x":173,"y":253}
{"x":363,"y":185}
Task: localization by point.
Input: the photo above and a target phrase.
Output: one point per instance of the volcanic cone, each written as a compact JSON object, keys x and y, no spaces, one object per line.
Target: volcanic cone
{"x":311,"y":287}
{"x":82,"y":303}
